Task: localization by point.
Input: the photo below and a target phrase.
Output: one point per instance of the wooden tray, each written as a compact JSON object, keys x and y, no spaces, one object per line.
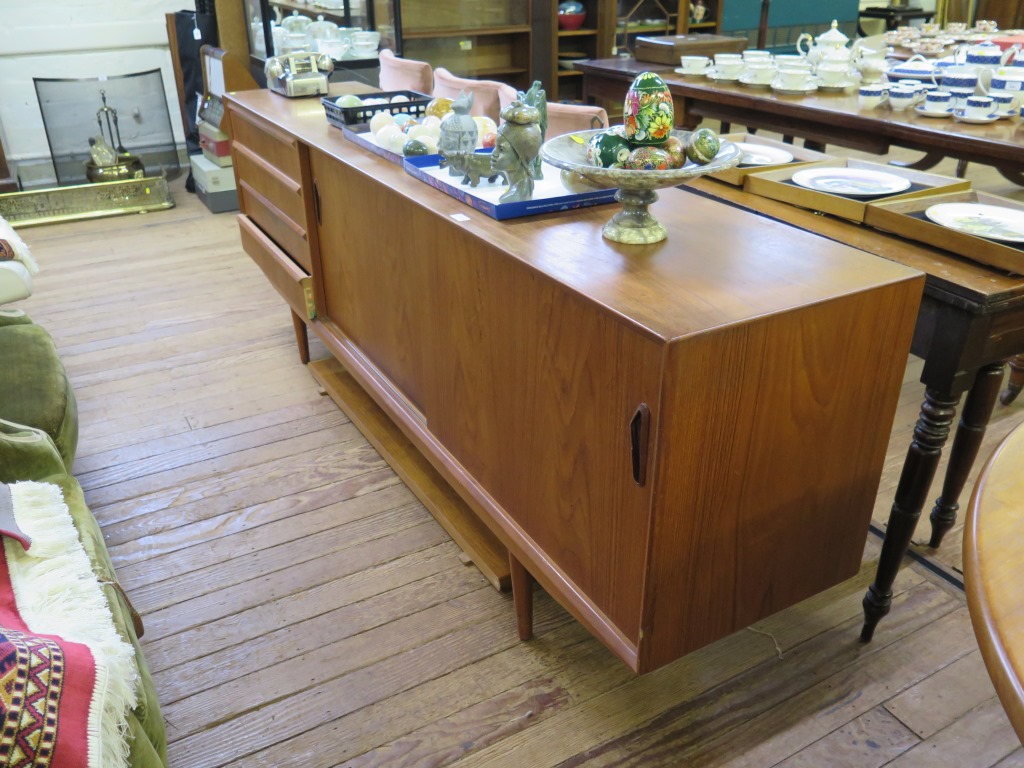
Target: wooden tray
{"x":801,"y":157}
{"x":774,"y":184}
{"x":897,"y":216}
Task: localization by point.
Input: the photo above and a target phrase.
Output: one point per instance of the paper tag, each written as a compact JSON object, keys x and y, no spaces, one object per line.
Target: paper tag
{"x":197,"y":34}
{"x":460,"y":217}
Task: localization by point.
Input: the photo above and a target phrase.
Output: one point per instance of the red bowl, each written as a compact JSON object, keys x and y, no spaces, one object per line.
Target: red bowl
{"x":571,"y":20}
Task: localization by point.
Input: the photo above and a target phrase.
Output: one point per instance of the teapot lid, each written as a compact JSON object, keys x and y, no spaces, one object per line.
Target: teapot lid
{"x":833,"y":36}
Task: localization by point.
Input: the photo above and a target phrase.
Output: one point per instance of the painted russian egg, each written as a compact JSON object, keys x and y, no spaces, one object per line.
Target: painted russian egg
{"x":676,"y":152}
{"x":646,"y":158}
{"x":702,"y":146}
{"x":608,"y":149}
{"x":647,"y":111}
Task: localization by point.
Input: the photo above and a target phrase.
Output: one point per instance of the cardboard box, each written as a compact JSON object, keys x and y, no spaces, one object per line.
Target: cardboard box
{"x":222,"y":161}
{"x":778,"y":185}
{"x":906,"y":218}
{"x":668,"y":49}
{"x":210,"y":176}
{"x":738,"y":175}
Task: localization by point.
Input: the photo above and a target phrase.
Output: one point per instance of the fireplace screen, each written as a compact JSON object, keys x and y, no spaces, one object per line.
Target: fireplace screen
{"x":85,"y":119}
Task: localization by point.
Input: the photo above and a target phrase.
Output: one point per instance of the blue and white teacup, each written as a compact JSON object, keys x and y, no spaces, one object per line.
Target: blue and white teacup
{"x":870,"y":96}
{"x":1004,"y":102}
{"x":960,"y":97}
{"x":979,"y":107}
{"x":959,"y":79}
{"x":938,"y":101}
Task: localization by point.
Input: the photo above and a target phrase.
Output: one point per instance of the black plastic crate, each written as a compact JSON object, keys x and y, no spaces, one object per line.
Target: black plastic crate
{"x":342,"y":116}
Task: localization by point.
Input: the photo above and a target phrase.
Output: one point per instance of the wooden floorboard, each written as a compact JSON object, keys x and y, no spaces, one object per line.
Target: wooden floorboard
{"x":304,"y":609}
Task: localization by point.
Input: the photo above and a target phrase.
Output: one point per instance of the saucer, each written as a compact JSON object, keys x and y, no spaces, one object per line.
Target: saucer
{"x":809,"y":88}
{"x":933,"y":112}
{"x":960,"y":117}
{"x":684,"y":73}
{"x":838,"y":87}
{"x":713,"y":75}
{"x":746,"y":81}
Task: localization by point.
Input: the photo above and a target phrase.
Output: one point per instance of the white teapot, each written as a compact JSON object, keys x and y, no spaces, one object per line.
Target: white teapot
{"x":828,"y":46}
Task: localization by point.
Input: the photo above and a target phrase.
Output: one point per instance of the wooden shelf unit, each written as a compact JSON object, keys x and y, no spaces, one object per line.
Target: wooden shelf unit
{"x":633,"y":19}
{"x":470,"y":39}
{"x":592,"y":41}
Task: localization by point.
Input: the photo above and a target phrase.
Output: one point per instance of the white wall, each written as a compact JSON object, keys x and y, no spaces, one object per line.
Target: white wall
{"x":75,"y":39}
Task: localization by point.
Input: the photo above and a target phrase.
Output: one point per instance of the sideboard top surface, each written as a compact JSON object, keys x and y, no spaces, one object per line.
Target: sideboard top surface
{"x":719,"y":266}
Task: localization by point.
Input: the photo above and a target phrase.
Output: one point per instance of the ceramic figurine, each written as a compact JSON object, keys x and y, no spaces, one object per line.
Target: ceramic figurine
{"x":648,"y":112}
{"x":517,"y":146}
{"x":537,"y":98}
{"x":458,"y":130}
{"x":471,"y":165}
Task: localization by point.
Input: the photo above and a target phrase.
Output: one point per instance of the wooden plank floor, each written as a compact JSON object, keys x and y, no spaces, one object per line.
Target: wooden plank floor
{"x":303,"y":609}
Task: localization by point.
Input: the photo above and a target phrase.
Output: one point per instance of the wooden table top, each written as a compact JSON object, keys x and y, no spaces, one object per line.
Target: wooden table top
{"x":993,"y":556}
{"x":719,"y":265}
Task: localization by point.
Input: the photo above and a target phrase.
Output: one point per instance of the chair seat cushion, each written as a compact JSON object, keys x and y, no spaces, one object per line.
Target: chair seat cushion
{"x":34,"y":389}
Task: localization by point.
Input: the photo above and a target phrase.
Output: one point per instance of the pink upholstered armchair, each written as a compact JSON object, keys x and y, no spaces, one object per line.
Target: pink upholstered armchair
{"x":405,"y":74}
{"x":565,"y":118}
{"x":488,"y":95}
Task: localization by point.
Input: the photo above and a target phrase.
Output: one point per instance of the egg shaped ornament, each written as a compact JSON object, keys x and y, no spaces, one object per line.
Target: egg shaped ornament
{"x":608,"y":149}
{"x":648,"y":112}
{"x":647,"y":158}
{"x":702,"y":146}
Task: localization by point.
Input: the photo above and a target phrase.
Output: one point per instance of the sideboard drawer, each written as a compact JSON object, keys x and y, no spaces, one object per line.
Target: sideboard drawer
{"x":279,"y":188}
{"x":294,"y":285}
{"x":265,"y":141}
{"x":289,"y":235}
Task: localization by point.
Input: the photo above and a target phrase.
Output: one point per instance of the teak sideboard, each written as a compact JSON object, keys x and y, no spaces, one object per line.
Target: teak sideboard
{"x":674,"y":440}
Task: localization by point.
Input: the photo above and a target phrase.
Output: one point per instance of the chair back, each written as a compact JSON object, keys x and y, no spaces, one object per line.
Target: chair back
{"x":567,"y":118}
{"x":405,"y":74}
{"x":487,"y":94}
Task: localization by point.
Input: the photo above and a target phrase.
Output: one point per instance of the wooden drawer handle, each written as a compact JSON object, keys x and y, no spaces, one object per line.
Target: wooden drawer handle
{"x":639,"y":431}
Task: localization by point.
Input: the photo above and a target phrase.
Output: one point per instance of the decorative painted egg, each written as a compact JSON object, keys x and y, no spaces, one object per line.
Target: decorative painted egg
{"x":608,"y":149}
{"x":439,"y":107}
{"x":648,"y":113}
{"x":414,"y":148}
{"x":676,"y":152}
{"x":702,"y":146}
{"x":646,"y":158}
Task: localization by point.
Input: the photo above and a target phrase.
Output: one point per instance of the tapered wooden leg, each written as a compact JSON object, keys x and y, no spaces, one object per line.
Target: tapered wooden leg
{"x":930,"y":434}
{"x":1016,"y":382}
{"x":974,"y":419}
{"x":522,"y":597}
{"x":301,"y":337}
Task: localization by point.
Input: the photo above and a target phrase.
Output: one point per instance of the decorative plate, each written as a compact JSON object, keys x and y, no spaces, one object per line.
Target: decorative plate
{"x":851,"y":182}
{"x":990,"y":221}
{"x":758,"y":154}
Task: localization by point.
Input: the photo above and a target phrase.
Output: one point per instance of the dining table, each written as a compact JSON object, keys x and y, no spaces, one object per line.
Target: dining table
{"x":821,"y":117}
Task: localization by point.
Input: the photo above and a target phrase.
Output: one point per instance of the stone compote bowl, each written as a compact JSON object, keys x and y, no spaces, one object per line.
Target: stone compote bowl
{"x":634,"y":224}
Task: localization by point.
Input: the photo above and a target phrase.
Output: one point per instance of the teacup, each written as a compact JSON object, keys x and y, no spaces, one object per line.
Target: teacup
{"x":960,"y":96}
{"x":1003,"y":102}
{"x":833,"y":74}
{"x":792,"y":61}
{"x":793,"y":79}
{"x":979,"y":107}
{"x":759,"y":73}
{"x":930,"y":29}
{"x":892,"y":37}
{"x":755,"y":55}
{"x":901,"y":97}
{"x":986,"y":26}
{"x":721,"y":58}
{"x":870,"y":96}
{"x":694,"y":65}
{"x":938,"y":101}
{"x":956,"y":27}
{"x":730,"y":70}
{"x":909,"y":33}
{"x":929,"y":47}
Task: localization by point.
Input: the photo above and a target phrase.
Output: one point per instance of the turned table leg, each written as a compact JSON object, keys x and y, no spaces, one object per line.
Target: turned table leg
{"x":974,"y":418}
{"x":930,"y":434}
{"x":1016,"y":382}
{"x":301,"y":338}
{"x":522,"y":597}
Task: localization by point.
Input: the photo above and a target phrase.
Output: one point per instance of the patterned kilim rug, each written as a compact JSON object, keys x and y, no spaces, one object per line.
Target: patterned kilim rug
{"x":67,"y":678}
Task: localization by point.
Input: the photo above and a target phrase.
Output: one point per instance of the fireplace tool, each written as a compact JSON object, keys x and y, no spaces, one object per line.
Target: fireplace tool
{"x":109,"y":160}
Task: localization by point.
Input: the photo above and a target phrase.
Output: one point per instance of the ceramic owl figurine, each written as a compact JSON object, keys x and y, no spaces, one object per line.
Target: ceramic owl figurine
{"x":458,"y":130}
